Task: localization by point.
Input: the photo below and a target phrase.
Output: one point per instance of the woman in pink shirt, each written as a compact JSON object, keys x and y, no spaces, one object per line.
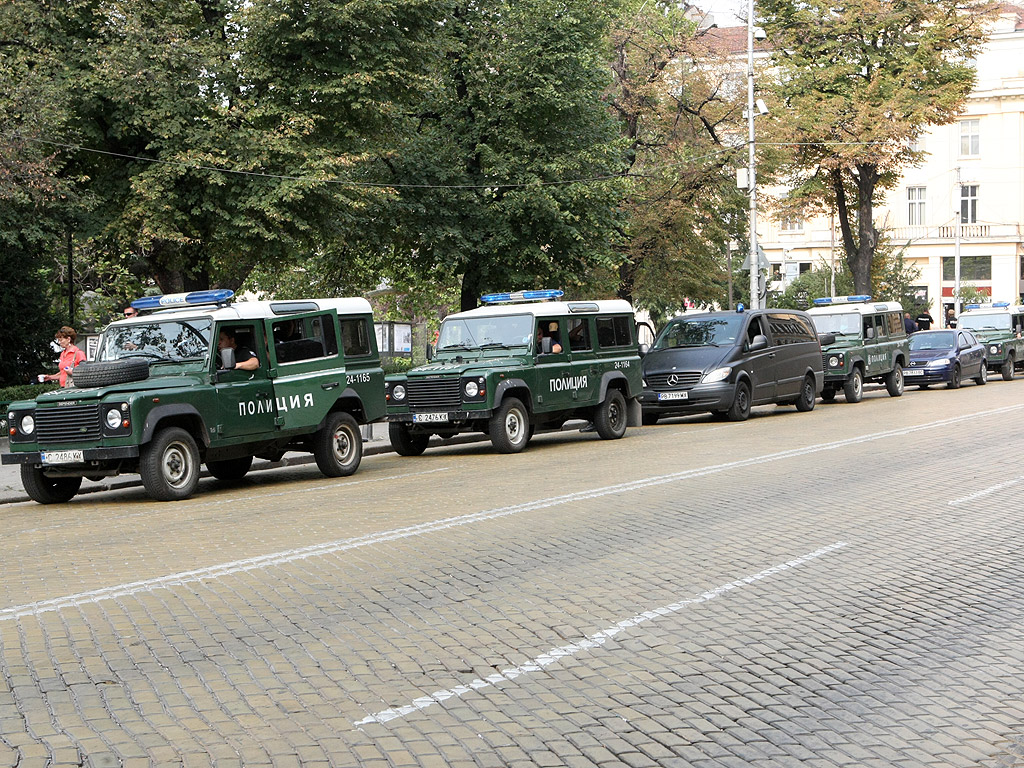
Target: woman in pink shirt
{"x":70,"y":355}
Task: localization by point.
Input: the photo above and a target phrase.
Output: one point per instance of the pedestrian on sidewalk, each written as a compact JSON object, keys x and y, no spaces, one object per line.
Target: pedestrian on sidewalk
{"x":70,"y":356}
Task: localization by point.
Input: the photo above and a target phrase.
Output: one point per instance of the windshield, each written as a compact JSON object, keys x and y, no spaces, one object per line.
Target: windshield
{"x":841,"y":323}
{"x":923,"y":341}
{"x":485,"y":333}
{"x":169,"y":340}
{"x":993,"y":322}
{"x":700,"y":332}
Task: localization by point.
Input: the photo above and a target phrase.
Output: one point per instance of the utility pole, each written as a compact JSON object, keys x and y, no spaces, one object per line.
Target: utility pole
{"x":755,"y":268}
{"x":956,"y":245}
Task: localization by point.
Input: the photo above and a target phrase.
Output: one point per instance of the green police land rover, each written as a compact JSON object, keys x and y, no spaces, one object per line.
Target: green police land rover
{"x":205,"y":379}
{"x":871,"y":345}
{"x":524,"y":361}
{"x":1000,"y":328}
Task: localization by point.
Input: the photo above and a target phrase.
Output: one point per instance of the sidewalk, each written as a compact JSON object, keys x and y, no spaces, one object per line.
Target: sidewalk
{"x":375,"y":440}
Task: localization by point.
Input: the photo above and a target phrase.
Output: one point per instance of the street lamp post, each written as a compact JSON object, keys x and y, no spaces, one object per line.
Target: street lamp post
{"x":755,"y":268}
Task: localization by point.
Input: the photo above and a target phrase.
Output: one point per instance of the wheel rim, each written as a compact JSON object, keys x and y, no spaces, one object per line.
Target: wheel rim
{"x":177,"y":465}
{"x":615,"y":415}
{"x":808,"y":392}
{"x":956,"y":376}
{"x":984,"y":373}
{"x":343,"y":445}
{"x":899,"y":379}
{"x":514,"y":426}
{"x":743,"y":400}
{"x":858,"y":384}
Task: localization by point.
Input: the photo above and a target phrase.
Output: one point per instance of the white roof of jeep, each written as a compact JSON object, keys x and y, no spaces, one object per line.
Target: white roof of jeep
{"x":856,"y":307}
{"x":256,"y":310}
{"x":999,"y":308}
{"x":548,"y":308}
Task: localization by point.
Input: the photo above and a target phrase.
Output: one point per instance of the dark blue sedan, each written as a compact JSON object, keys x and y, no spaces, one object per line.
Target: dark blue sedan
{"x":947,"y":356}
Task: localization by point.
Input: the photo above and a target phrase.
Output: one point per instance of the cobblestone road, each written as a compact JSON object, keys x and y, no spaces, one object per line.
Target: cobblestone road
{"x":836,"y":588}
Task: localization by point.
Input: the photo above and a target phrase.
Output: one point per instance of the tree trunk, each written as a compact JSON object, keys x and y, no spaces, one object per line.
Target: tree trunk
{"x":471,"y":286}
{"x":859,"y":249}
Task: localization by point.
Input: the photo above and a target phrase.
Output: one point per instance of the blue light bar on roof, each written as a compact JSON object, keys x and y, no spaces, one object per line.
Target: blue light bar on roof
{"x":825,"y":300}
{"x":218,"y":296}
{"x":504,"y":298}
{"x":1001,"y":304}
{"x":973,"y":306}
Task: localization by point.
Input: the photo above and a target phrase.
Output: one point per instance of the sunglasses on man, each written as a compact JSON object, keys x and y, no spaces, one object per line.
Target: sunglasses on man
{"x":130,"y":313}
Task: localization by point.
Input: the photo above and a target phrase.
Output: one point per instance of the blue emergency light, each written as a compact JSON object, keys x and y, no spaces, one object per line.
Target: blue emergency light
{"x":504,"y":298}
{"x":826,"y":300}
{"x":216,"y":296}
{"x":1001,"y":304}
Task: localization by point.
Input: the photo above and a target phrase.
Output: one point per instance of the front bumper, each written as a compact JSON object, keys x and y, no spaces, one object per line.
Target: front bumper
{"x":91,"y":457}
{"x":702,"y":397}
{"x":932,"y":375}
{"x":441,"y":419}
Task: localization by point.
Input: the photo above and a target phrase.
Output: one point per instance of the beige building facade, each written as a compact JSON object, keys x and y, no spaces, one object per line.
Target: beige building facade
{"x":971,"y":180}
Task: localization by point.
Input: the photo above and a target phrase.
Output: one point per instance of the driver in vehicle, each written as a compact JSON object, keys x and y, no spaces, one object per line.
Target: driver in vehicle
{"x":245,"y":359}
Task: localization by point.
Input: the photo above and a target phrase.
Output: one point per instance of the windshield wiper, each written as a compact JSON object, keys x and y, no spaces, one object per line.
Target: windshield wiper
{"x":494,"y":345}
{"x":455,"y":346}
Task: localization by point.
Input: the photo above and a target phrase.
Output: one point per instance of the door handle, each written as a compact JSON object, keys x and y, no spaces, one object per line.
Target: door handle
{"x":328,"y":385}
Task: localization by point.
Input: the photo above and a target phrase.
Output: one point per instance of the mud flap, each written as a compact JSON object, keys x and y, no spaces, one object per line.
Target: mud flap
{"x":635,"y":412}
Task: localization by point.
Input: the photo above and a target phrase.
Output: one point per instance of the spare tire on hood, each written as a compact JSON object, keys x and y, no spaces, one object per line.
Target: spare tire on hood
{"x":102,"y":374}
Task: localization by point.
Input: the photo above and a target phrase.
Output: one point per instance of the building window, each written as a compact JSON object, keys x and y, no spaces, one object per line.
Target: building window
{"x":791,"y":224}
{"x":970,"y":138}
{"x":915,"y":206}
{"x":972,"y":268}
{"x":969,"y":204}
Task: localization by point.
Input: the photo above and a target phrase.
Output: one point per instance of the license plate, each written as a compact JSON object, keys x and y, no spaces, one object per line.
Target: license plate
{"x":673,"y":395}
{"x":62,"y":457}
{"x":426,"y":418}
{"x":913,"y":372}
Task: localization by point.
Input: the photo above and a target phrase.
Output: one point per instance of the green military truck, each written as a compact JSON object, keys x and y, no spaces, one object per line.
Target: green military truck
{"x":176,"y":387}
{"x":870,"y":345}
{"x":1000,"y":328}
{"x":522,"y":362}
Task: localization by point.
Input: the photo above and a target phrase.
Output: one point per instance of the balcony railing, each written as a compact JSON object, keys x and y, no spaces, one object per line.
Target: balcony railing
{"x":948,"y":232}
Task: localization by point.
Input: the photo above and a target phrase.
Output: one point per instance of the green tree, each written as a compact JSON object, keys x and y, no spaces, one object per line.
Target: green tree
{"x":677,"y":107}
{"x":861,"y":80}
{"x":223,"y":127}
{"x":508,"y":174}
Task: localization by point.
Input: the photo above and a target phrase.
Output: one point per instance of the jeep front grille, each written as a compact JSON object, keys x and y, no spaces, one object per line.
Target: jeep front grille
{"x":683,"y":380}
{"x":434,"y":394}
{"x":67,"y":424}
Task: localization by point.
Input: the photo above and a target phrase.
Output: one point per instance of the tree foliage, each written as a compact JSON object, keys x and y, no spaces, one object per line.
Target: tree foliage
{"x":506,"y":176}
{"x":861,"y":79}
{"x":676,"y":97}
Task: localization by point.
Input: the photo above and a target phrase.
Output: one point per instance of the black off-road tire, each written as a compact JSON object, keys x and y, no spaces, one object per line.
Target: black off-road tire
{"x":169,"y":465}
{"x":610,"y":418}
{"x":740,"y":408}
{"x":982,"y":378}
{"x":103,"y":374}
{"x":807,"y":397}
{"x":955,"y":379}
{"x":509,"y":427}
{"x":407,"y":443}
{"x":338,"y":445}
{"x":853,"y":387}
{"x":828,"y":395}
{"x":230,"y":469}
{"x":1007,"y":368}
{"x":48,"y":490}
{"x":894,"y":383}
{"x":649,"y":419}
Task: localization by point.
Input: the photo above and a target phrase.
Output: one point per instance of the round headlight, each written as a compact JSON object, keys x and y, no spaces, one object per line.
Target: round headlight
{"x":28,"y":425}
{"x":994,"y":349}
{"x":472,"y":390}
{"x":398,"y":392}
{"x":113,"y":418}
{"x":833,"y":362}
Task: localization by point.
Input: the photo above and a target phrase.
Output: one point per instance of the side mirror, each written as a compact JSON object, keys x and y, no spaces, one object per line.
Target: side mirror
{"x":227,"y":358}
{"x":759,"y":342}
{"x":869,"y":333}
{"x":644,"y":349}
{"x":826,"y":339}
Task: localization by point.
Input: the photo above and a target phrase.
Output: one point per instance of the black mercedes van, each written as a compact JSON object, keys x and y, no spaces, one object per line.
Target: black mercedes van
{"x":726,"y":362}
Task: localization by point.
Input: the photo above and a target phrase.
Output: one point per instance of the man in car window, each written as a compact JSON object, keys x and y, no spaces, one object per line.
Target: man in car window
{"x":245,"y":359}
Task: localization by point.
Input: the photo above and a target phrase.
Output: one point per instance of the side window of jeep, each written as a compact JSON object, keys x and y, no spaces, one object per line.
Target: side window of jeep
{"x":579,"y":334}
{"x":614,"y":332}
{"x":245,"y":342}
{"x":355,"y":337}
{"x":299,"y":339}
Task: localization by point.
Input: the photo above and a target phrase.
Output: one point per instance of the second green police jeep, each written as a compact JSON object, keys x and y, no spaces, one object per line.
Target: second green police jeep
{"x":509,"y":368}
{"x":999,"y":327}
{"x":871,"y":345}
{"x":205,"y":380}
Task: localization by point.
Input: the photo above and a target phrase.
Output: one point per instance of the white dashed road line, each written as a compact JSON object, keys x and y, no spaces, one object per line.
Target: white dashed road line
{"x":588,"y":643}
